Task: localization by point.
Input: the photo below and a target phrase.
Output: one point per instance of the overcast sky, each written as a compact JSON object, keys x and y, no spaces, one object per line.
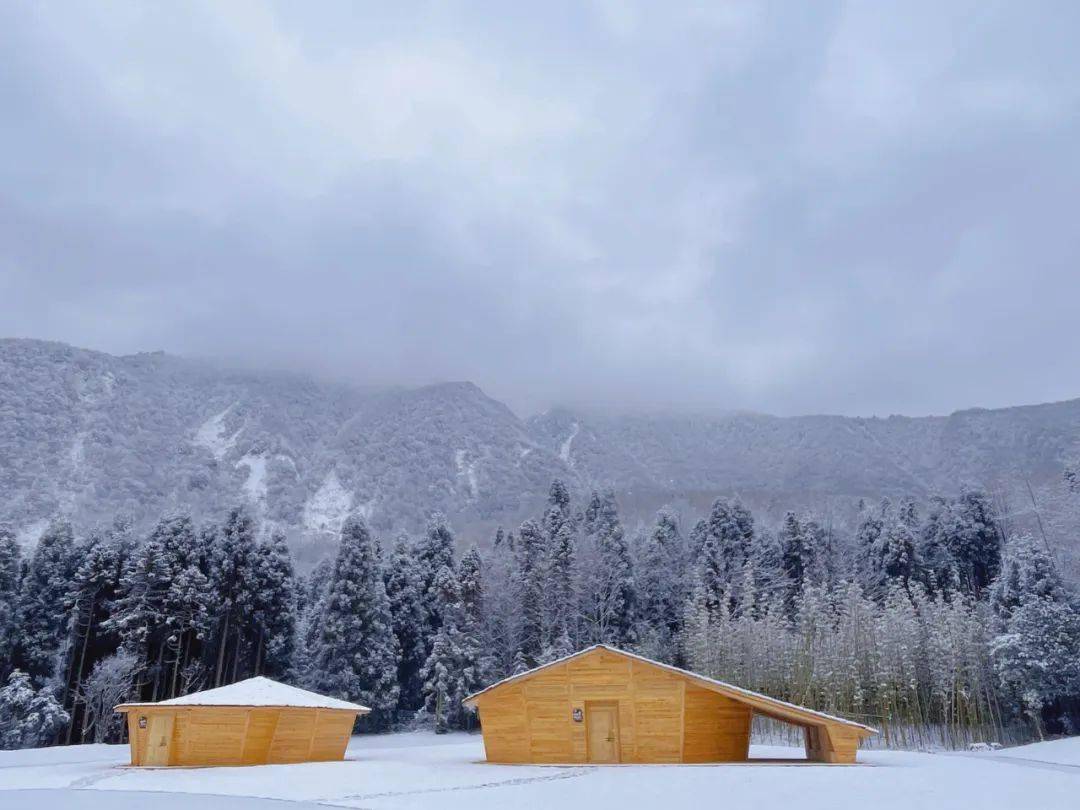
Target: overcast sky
{"x":790,"y":207}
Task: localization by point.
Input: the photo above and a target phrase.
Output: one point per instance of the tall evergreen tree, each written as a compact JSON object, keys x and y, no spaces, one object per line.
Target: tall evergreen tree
{"x":444,"y":671}
{"x":276,"y":601}
{"x":1035,"y":650}
{"x":559,"y":620}
{"x":233,"y":579}
{"x":355,"y":653}
{"x":661,"y":590}
{"x":10,"y":559}
{"x":530,"y":589}
{"x":608,"y":590}
{"x":95,"y":585}
{"x":405,"y":591}
{"x":434,"y":551}
{"x":42,"y":611}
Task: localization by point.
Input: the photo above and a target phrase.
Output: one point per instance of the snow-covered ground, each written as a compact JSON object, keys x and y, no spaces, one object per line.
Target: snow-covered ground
{"x":420,"y":770}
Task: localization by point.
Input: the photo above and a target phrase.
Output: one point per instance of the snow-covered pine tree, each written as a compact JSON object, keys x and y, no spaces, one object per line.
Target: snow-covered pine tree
{"x":95,"y":585}
{"x":501,"y":605}
{"x":138,"y":616}
{"x":405,"y":590}
{"x":608,"y":591}
{"x":661,"y":590}
{"x":29,"y":716}
{"x":444,"y":672}
{"x":42,"y":612}
{"x":559,"y":621}
{"x":10,"y":560}
{"x":973,"y":539}
{"x":276,"y":600}
{"x":940,"y":576}
{"x":434,"y":550}
{"x":726,"y":546}
{"x":233,"y":580}
{"x":796,"y":555}
{"x":530,"y":583}
{"x":1035,"y":651}
{"x":477,"y":660}
{"x":888,"y":542}
{"x":354,"y":653}
{"x":189,"y":599}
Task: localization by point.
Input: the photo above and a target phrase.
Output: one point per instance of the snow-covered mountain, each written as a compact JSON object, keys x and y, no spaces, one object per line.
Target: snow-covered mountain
{"x":93,"y":435}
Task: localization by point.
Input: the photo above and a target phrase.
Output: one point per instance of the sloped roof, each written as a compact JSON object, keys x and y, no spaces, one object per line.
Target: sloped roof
{"x":257,"y":691}
{"x":763,"y":704}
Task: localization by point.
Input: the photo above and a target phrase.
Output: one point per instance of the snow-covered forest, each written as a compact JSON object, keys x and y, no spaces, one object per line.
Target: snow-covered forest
{"x":941,"y":631}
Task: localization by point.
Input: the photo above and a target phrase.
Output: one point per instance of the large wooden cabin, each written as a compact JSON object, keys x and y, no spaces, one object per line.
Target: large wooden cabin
{"x":603,"y":705}
{"x":253,"y":722}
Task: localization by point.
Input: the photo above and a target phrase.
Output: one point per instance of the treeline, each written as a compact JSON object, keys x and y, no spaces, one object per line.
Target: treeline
{"x":936,"y":628}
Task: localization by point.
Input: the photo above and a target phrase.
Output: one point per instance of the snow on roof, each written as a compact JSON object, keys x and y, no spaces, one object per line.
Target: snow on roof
{"x":780,"y":704}
{"x":257,"y":691}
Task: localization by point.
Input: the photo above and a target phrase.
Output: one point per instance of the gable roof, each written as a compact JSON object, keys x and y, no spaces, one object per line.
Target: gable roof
{"x":763,"y":704}
{"x":256,"y":691}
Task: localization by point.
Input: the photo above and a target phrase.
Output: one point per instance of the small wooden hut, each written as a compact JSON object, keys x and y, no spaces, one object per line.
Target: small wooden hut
{"x":252,"y":722}
{"x":603,"y":705}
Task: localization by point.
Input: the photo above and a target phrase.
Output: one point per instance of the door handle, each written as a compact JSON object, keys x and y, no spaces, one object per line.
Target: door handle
{"x":611,"y":738}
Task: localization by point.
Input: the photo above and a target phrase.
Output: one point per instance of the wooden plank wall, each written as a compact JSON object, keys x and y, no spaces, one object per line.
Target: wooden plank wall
{"x":208,"y":736}
{"x":662,"y":718}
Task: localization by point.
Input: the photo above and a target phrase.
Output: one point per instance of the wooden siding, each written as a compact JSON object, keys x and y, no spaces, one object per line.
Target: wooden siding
{"x":237,"y":735}
{"x":664,"y":716}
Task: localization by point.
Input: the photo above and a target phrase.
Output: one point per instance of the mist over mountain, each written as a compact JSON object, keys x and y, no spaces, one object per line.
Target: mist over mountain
{"x":91,"y":436}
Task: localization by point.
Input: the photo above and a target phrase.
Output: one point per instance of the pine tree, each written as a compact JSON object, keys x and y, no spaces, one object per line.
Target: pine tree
{"x":477,"y":661}
{"x":355,"y":654}
{"x":233,"y":580}
{"x":501,"y":607}
{"x":189,"y":598}
{"x":276,"y":601}
{"x":42,"y":611}
{"x":560,"y":596}
{"x":608,"y":590}
{"x":90,"y":602}
{"x":29,"y":717}
{"x":405,"y":591}
{"x":530,"y":589}
{"x":796,"y":554}
{"x":661,"y":590}
{"x":444,"y":672}
{"x":1035,"y":650}
{"x":139,"y":613}
{"x":940,"y":574}
{"x":10,"y":561}
{"x":888,"y":544}
{"x":726,"y":546}
{"x":434,"y":551}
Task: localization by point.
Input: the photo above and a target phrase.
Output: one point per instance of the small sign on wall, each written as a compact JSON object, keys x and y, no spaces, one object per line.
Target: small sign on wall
{"x":142,"y":722}
{"x":578,"y":715}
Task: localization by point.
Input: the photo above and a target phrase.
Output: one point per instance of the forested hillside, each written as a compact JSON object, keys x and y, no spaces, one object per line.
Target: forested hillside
{"x":89,"y":436}
{"x":940,"y":630}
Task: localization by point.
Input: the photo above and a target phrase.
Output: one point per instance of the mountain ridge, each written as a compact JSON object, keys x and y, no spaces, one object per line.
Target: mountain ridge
{"x":91,"y":435}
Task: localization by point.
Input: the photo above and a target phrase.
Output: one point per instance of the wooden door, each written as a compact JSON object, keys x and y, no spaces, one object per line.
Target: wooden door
{"x":158,"y":739}
{"x":602,"y":726}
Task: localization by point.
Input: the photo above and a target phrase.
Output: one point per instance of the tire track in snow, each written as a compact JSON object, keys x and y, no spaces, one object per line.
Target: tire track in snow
{"x":1024,"y":762}
{"x":569,"y":773}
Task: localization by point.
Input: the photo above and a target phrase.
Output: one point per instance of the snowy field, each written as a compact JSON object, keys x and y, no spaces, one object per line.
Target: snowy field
{"x":420,"y":770}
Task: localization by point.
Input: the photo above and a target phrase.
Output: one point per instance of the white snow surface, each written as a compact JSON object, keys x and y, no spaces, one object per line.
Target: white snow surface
{"x":255,"y":485}
{"x":421,"y":770}
{"x":211,"y":435}
{"x":564,"y":448}
{"x":328,"y":508}
{"x":258,"y":691}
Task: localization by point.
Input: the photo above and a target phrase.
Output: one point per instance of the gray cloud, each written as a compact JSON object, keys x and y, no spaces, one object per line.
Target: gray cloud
{"x":787,"y":207}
